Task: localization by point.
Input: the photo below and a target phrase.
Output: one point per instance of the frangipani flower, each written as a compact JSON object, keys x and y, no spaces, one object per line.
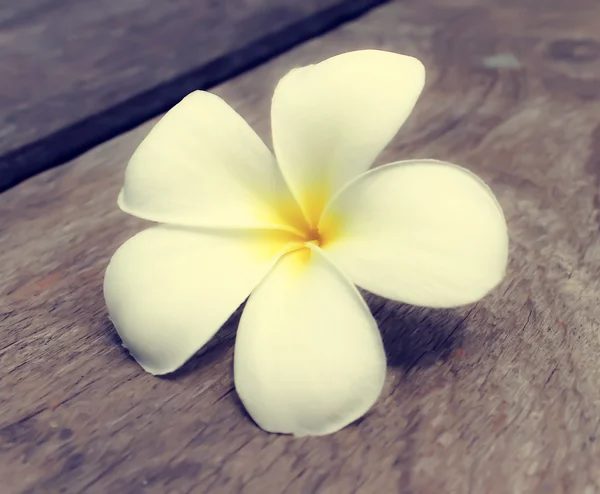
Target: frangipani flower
{"x":296,"y":232}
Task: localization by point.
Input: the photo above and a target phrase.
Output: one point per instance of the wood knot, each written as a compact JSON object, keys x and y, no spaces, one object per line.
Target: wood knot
{"x":572,"y":50}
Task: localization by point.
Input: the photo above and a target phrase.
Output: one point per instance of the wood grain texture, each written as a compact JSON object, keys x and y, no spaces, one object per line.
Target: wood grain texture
{"x":500,"y":397}
{"x":77,"y":73}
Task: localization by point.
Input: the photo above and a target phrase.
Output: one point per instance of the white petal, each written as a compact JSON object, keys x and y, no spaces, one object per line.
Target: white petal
{"x":308,"y":357}
{"x":202,"y":165}
{"x":168,"y":290}
{"x":331,"y":120}
{"x":423,"y":232}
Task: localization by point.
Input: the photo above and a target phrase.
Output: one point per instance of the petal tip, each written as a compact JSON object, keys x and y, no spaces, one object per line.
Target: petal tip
{"x":156,"y":369}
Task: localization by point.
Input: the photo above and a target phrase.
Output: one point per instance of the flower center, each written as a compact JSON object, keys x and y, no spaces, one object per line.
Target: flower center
{"x":313,"y":236}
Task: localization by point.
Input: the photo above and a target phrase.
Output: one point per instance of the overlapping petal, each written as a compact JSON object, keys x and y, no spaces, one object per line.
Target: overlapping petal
{"x":202,"y":165}
{"x":309,"y":358}
{"x":423,"y":232}
{"x":168,"y":290}
{"x":332,"y":119}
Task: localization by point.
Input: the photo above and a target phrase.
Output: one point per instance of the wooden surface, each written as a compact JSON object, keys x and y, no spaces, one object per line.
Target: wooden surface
{"x":78,"y":72}
{"x":500,"y":397}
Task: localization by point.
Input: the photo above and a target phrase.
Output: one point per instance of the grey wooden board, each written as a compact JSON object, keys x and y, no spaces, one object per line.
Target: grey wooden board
{"x":501,"y":397}
{"x":64,"y":62}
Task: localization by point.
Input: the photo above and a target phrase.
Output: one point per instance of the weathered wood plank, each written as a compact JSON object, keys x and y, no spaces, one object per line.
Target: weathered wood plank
{"x":500,"y":397}
{"x":77,"y":73}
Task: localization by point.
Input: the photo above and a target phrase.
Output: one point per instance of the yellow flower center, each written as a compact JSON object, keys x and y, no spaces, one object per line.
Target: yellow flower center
{"x":312,"y":236}
{"x":306,"y":228}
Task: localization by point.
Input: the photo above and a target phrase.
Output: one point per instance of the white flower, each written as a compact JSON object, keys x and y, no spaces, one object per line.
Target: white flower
{"x":295,"y":232}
